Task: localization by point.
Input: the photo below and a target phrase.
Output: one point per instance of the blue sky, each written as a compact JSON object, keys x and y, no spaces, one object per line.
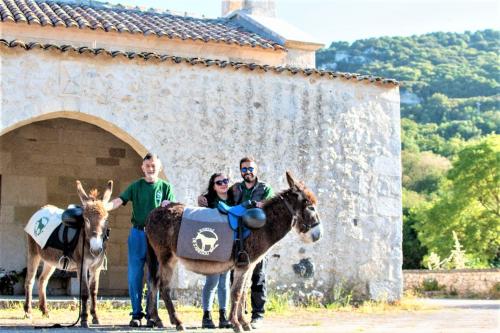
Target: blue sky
{"x":348,"y":20}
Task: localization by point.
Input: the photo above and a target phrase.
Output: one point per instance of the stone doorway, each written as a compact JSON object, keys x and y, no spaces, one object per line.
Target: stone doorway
{"x":39,"y":163}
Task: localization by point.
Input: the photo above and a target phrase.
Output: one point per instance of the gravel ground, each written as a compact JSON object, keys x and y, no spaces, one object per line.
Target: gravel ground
{"x":446,"y":315}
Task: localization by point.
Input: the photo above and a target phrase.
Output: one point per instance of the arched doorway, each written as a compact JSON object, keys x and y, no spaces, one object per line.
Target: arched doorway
{"x":39,"y":163}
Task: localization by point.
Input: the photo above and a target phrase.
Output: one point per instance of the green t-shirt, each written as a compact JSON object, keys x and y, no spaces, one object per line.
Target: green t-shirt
{"x":145,"y":197}
{"x":247,"y":193}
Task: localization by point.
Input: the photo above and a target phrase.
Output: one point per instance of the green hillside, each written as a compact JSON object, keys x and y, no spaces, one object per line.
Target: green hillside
{"x":450,"y":98}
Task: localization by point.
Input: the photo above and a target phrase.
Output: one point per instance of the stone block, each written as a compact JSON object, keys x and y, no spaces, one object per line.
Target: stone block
{"x":107,"y":161}
{"x":23,"y":190}
{"x":387,"y":165}
{"x":12,"y":249}
{"x":117,"y":152}
{"x":22,"y":214}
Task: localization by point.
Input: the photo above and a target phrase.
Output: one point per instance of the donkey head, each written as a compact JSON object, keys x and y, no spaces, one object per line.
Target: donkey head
{"x":306,"y":220}
{"x":95,"y":216}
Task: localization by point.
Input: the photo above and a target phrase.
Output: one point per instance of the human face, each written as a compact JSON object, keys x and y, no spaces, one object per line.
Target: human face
{"x":223,"y":187}
{"x":151,"y":169}
{"x":248,"y":176}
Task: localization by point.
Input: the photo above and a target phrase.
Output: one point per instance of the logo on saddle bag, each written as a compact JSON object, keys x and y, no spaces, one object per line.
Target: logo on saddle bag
{"x":205,"y":241}
{"x":40,"y":225}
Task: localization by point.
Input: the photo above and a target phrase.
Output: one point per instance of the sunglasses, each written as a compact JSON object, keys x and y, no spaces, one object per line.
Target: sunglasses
{"x":224,"y":181}
{"x":245,"y":169}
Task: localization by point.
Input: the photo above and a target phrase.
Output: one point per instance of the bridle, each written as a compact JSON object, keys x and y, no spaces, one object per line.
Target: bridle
{"x":292,"y":212}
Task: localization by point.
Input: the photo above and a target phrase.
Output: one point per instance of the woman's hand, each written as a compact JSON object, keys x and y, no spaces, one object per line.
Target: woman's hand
{"x":202,"y":201}
{"x":165,"y":203}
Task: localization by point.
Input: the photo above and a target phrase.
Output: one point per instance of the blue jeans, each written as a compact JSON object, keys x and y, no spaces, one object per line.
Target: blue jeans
{"x":208,"y":295}
{"x":137,"y":248}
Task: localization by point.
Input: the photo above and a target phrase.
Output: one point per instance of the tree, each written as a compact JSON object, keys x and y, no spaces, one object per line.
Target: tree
{"x":468,"y":202}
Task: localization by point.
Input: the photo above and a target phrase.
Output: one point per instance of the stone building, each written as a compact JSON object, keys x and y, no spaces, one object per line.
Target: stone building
{"x":87,"y":88}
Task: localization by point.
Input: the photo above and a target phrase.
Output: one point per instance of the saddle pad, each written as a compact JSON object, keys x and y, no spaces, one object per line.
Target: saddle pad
{"x":43,"y":223}
{"x":204,"y":235}
{"x":56,"y":240}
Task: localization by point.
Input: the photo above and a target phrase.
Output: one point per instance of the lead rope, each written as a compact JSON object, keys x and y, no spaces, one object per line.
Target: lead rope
{"x":80,"y":293}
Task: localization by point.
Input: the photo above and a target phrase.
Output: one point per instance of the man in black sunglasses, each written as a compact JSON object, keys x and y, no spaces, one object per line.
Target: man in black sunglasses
{"x":251,"y":188}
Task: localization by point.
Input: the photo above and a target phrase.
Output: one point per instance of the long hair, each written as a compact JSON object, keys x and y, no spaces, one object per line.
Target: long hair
{"x":210,"y":194}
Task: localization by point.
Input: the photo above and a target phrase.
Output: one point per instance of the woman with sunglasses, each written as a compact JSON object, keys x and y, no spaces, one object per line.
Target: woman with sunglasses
{"x":217,"y":191}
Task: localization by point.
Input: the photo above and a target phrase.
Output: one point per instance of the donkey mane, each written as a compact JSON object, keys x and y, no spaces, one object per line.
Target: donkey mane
{"x":309,"y":195}
{"x":93,"y":194}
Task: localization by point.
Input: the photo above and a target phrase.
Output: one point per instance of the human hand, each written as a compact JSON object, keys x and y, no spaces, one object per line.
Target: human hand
{"x":202,"y":201}
{"x":259,"y":204}
{"x":165,"y":203}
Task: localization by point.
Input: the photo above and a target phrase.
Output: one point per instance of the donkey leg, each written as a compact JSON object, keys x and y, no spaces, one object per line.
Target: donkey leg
{"x":166,"y":271}
{"x":241,"y":310}
{"x":236,"y":297}
{"x":85,"y":296}
{"x":47,"y":272}
{"x":153,"y":319}
{"x":94,"y":287}
{"x":32,"y":266}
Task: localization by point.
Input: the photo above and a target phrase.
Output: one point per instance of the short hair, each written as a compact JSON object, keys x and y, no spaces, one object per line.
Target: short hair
{"x":150,"y":156}
{"x":247,"y":159}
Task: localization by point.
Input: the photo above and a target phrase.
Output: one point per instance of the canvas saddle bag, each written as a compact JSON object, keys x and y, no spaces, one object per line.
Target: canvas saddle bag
{"x":204,"y":235}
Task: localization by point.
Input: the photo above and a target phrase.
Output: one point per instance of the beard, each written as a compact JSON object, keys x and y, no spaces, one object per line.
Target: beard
{"x":248,"y":178}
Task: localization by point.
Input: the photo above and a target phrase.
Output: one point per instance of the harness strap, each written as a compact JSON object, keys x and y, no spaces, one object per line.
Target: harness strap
{"x":66,"y":249}
{"x":290,"y":210}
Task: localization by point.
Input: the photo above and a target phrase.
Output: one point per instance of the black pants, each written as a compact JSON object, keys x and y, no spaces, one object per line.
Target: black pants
{"x":258,"y":289}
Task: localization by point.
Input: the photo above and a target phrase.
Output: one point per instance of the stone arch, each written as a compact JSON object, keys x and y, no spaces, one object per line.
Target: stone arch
{"x":105,"y":125}
{"x":40,"y":159}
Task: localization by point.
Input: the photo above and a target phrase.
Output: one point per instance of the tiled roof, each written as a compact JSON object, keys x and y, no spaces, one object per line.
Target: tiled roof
{"x":195,"y":61}
{"x":73,"y":14}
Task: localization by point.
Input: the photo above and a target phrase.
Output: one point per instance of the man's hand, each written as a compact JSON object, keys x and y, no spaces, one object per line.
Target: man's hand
{"x":165,"y":203}
{"x":202,"y":201}
{"x":259,"y":204}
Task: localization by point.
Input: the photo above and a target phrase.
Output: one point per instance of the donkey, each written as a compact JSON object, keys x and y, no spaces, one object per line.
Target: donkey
{"x":294,"y":208}
{"x":92,"y":239}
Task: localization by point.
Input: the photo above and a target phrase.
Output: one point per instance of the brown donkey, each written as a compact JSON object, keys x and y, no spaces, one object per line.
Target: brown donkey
{"x":294,"y":208}
{"x":94,"y":246}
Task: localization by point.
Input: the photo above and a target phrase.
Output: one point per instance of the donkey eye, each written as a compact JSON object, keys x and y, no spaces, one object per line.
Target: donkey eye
{"x":311,"y":208}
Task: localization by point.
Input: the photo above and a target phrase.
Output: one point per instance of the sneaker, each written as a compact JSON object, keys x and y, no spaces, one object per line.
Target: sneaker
{"x":135,"y":323}
{"x":257,"y":322}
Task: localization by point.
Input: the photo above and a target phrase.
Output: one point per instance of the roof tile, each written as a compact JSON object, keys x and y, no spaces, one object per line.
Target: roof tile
{"x":130,"y":21}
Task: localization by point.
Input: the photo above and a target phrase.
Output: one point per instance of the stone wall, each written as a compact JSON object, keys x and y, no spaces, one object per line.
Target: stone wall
{"x":40,"y":163}
{"x":342,"y":137}
{"x":464,"y":282}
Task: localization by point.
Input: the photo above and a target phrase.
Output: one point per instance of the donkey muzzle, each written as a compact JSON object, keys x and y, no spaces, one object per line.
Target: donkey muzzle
{"x":96,"y":246}
{"x":317,"y":233}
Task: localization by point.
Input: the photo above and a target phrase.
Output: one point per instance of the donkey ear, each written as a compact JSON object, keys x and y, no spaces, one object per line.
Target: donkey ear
{"x":81,"y":192}
{"x":291,"y":181}
{"x":107,"y":193}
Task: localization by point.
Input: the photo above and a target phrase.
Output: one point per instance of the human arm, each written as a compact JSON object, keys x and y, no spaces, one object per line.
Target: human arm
{"x":113,"y":204}
{"x":202,"y":201}
{"x":268,"y":194}
{"x":169,"y":196}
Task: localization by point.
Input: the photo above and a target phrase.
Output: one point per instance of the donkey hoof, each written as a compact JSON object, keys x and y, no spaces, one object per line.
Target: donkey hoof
{"x":237,"y":328}
{"x":84,"y":324}
{"x":95,"y":321}
{"x":246,"y":327}
{"x":45,"y":315}
{"x":154,"y":323}
{"x":27,"y":315}
{"x":180,"y":327}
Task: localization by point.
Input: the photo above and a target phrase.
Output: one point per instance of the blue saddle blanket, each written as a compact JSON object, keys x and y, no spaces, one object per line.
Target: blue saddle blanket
{"x":233,"y":214}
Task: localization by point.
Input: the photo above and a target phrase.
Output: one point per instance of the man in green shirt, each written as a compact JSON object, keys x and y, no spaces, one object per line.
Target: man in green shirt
{"x":145,"y":194}
{"x":253,"y":189}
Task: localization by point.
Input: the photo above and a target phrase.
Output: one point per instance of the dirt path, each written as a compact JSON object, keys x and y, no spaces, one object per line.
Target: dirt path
{"x":447,"y":316}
